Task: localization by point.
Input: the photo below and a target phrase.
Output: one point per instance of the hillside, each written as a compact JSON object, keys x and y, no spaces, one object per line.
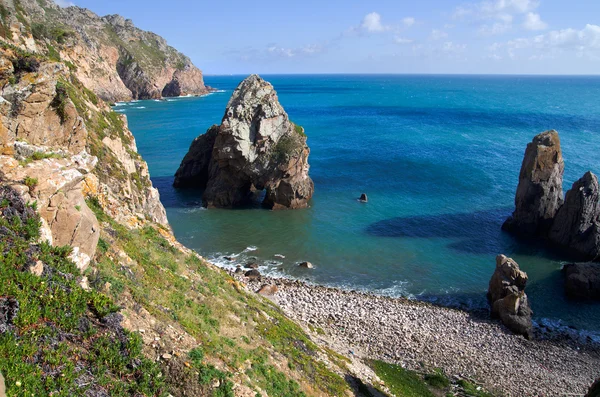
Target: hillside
{"x":109,"y":55}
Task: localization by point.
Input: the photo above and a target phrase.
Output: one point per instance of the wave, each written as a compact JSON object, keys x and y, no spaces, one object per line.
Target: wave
{"x":140,"y":107}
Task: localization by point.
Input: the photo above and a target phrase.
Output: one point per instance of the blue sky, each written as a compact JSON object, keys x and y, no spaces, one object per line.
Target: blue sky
{"x":427,"y":36}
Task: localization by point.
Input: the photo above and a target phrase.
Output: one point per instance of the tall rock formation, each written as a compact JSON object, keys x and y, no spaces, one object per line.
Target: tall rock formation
{"x":577,"y":223}
{"x":539,"y":193}
{"x":113,"y":58}
{"x":507,"y":298}
{"x":582,"y":281}
{"x":255,"y":148}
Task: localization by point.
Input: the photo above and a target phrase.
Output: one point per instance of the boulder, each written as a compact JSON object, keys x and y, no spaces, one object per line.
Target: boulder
{"x":253,"y":274}
{"x":268,"y":290}
{"x":507,"y":298}
{"x":577,"y":223}
{"x":582,"y":280}
{"x":594,"y":390}
{"x":539,"y":193}
{"x":306,"y":265}
{"x":251,"y":265}
{"x":255,"y":148}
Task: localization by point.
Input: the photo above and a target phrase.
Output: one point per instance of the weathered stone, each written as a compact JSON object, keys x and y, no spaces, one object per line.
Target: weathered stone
{"x":594,"y":390}
{"x":37,"y":269}
{"x":507,"y":298}
{"x":255,"y":148}
{"x":2,"y":387}
{"x":582,"y":280}
{"x":577,"y":223}
{"x":268,"y":290}
{"x":252,"y":274}
{"x":306,"y":265}
{"x":539,"y":193}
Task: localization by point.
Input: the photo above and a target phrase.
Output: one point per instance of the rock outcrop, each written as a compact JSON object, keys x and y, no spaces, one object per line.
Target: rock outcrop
{"x":255,"y":148}
{"x":507,"y":298}
{"x":582,"y":281}
{"x":114,"y":58}
{"x":577,"y":223}
{"x":594,"y":389}
{"x":539,"y":193}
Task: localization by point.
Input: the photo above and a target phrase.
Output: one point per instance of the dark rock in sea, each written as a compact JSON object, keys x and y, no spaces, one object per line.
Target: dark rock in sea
{"x":363,"y":198}
{"x":594,"y":389}
{"x":582,"y":281}
{"x":507,"y":298}
{"x":251,"y":265}
{"x":193,"y":171}
{"x":577,"y":223}
{"x":238,"y":270}
{"x":539,"y":193}
{"x":255,"y":148}
{"x":306,"y":265}
{"x":253,"y":274}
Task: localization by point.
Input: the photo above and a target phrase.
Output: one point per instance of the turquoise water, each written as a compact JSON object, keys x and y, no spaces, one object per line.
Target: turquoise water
{"x":438,"y":156}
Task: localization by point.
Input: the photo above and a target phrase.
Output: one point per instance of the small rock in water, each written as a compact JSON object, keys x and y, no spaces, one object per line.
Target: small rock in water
{"x":253,"y":274}
{"x":251,"y":265}
{"x":238,"y":270}
{"x":268,"y":290}
{"x":363,"y":198}
{"x":228,"y":258}
{"x":306,"y":265}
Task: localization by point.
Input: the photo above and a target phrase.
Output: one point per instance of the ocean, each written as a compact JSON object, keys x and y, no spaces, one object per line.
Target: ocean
{"x":439,"y":158}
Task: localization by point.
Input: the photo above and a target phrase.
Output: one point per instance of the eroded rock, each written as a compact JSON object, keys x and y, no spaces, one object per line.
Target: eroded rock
{"x":255,"y":148}
{"x":582,"y":280}
{"x":577,"y":223}
{"x":507,"y":298}
{"x":539,"y":193}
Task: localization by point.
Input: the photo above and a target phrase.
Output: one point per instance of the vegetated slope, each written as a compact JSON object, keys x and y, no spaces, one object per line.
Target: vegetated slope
{"x":109,"y":55}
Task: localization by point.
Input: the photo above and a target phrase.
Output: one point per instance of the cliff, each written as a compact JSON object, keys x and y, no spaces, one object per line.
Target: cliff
{"x":255,"y":148}
{"x":109,"y":55}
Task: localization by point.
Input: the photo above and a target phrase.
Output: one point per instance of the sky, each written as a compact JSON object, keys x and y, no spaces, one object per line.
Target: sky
{"x":377,"y":36}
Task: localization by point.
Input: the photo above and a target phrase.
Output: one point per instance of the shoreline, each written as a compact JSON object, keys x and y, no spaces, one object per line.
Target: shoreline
{"x":422,"y":335}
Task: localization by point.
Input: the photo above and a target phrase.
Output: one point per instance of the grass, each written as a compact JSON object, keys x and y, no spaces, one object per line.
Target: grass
{"x":437,"y":380}
{"x":40,"y":156}
{"x":400,"y":381}
{"x":299,"y":130}
{"x":30,"y":182}
{"x":472,"y":390}
{"x":55,"y":336}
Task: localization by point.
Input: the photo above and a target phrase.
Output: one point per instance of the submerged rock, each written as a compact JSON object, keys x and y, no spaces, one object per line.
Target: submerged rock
{"x":539,"y":193}
{"x":363,"y":198}
{"x":577,"y":223}
{"x":255,"y":148}
{"x":507,"y":298}
{"x":582,"y":280}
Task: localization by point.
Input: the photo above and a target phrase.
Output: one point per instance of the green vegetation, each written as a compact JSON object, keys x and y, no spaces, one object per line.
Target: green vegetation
{"x":472,"y":390}
{"x":437,"y":380}
{"x":59,"y":102}
{"x":30,"y":182}
{"x":40,"y":156}
{"x":287,"y":147}
{"x":299,"y":130}
{"x":55,"y":336}
{"x":400,"y":381}
{"x":58,"y":34}
{"x":53,"y":54}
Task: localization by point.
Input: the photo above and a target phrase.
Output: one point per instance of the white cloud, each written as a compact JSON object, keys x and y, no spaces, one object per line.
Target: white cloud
{"x":408,"y":21}
{"x":64,"y":3}
{"x":584,"y":42}
{"x":533,"y":21}
{"x":402,"y":40}
{"x":372,"y":23}
{"x":437,"y":35}
{"x":453,"y":48}
{"x":494,"y":29}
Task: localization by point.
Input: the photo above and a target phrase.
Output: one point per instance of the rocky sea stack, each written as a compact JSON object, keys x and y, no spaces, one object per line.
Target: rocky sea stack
{"x":255,"y":148}
{"x":539,"y":193}
{"x":507,"y":298}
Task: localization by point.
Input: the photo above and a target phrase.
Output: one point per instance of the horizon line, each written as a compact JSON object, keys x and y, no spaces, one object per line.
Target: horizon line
{"x":406,"y":74}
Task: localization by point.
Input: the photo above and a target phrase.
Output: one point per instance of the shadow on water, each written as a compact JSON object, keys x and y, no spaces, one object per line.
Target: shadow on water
{"x":477,"y":232}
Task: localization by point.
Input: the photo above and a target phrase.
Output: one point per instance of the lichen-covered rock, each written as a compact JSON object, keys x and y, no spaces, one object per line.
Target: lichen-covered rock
{"x":255,"y":148}
{"x":539,"y":193}
{"x":507,"y":298}
{"x":582,"y":281}
{"x":576,"y":226}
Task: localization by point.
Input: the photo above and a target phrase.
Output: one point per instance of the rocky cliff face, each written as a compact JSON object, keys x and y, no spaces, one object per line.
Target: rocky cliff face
{"x":577,"y":223}
{"x":507,"y":298}
{"x":582,"y":281}
{"x":255,"y":148}
{"x":539,"y":193}
{"x":113,"y":58}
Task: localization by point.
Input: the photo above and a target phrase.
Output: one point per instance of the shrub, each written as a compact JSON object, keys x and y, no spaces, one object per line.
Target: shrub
{"x":60,"y":101}
{"x":285,"y":149}
{"x":39,"y":31}
{"x":30,"y":182}
{"x":26,"y":64}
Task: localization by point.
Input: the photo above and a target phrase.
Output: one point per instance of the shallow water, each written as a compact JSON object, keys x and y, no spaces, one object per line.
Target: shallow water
{"x":438,"y":156}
